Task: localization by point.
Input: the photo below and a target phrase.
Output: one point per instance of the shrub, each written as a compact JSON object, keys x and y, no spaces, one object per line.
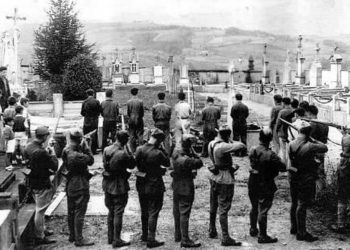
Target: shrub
{"x":80,"y":75}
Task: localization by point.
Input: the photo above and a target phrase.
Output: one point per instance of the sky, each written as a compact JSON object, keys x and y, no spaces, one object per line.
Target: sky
{"x":292,"y":17}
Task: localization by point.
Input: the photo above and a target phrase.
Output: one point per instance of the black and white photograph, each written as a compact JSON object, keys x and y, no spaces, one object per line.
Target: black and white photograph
{"x":173,"y":124}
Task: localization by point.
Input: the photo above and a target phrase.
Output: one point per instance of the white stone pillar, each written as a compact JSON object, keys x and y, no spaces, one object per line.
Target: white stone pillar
{"x":57,"y":104}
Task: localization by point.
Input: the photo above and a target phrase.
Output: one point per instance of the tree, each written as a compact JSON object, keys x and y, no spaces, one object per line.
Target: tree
{"x":58,"y":41}
{"x":80,"y":75}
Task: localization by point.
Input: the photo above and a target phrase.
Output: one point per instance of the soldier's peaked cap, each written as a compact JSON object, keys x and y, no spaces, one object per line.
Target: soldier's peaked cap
{"x":75,"y":133}
{"x":42,"y":130}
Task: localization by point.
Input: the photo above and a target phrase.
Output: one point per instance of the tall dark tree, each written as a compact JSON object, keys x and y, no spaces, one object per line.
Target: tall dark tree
{"x":58,"y":41}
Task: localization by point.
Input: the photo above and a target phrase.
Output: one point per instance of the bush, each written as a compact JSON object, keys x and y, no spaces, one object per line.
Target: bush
{"x":80,"y":75}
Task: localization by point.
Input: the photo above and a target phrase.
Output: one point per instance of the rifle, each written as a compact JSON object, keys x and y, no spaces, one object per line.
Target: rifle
{"x":292,"y":126}
{"x":324,"y":123}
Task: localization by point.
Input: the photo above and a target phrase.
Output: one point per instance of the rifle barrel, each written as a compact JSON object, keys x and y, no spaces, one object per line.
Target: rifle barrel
{"x":321,"y":122}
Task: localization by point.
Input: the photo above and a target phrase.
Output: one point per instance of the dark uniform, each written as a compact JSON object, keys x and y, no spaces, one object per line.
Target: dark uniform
{"x":239,"y":114}
{"x":110,"y":113}
{"x":116,"y":161}
{"x":135,"y":113}
{"x":77,"y":159}
{"x":185,"y":166}
{"x":150,"y":186}
{"x":303,"y":174}
{"x":91,"y":109}
{"x":273,"y":124}
{"x":265,"y":165}
{"x":222,"y":185}
{"x":210,"y":117}
{"x":161,"y":114}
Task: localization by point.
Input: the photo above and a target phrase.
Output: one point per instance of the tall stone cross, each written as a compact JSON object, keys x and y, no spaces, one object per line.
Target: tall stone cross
{"x":15,"y":19}
{"x":265,"y":48}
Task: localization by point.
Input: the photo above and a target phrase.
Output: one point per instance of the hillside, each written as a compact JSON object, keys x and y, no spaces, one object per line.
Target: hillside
{"x":201,"y":48}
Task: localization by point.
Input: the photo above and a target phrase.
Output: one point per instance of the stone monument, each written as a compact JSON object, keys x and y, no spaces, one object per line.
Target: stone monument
{"x":184,"y":80}
{"x":158,"y":72}
{"x":316,"y":70}
{"x":300,"y":77}
{"x":265,"y":76}
{"x":335,"y":61}
{"x":287,"y":70}
{"x":134,"y":76}
{"x":117,"y":73}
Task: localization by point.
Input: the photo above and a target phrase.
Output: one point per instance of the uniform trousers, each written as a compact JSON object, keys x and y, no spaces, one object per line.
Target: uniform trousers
{"x":116,"y":205}
{"x":220,"y":198}
{"x":165,"y":127}
{"x":240,"y":133}
{"x":42,"y":199}
{"x":90,"y":124}
{"x":136,"y":135}
{"x":77,"y":205}
{"x":182,"y":205}
{"x":109,"y":127}
{"x":150,"y":204}
{"x":209,"y":134}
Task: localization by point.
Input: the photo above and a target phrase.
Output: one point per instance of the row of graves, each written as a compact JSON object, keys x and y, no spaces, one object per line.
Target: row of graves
{"x":328,"y":89}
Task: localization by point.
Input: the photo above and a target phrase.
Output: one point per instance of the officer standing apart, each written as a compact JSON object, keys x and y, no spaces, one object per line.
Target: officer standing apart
{"x":151,"y":161}
{"x":135,"y":113}
{"x":239,"y":114}
{"x":77,"y":156}
{"x":161,"y":114}
{"x":210,"y":117}
{"x":117,"y":159}
{"x":186,"y":163}
{"x":343,"y":193}
{"x":222,"y":182}
{"x":303,"y":175}
{"x":110,"y":113}
{"x":182,"y":124}
{"x":265,"y":165}
{"x":91,"y":109}
{"x":43,"y":163}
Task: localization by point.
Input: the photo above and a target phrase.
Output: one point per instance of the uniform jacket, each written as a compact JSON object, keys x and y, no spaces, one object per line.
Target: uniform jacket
{"x":149,"y":161}
{"x":109,"y":110}
{"x":76,"y":160}
{"x":210,"y":116}
{"x":239,"y":114}
{"x":116,"y":161}
{"x":319,"y":132}
{"x":161,"y":113}
{"x":281,"y":127}
{"x":135,"y":111}
{"x":302,"y":154}
{"x":183,"y":175}
{"x":42,"y":165}
{"x":220,"y":154}
{"x":90,"y":109}
{"x":265,"y":166}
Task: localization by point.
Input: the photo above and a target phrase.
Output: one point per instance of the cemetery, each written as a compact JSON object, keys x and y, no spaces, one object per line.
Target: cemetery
{"x":326,"y":88}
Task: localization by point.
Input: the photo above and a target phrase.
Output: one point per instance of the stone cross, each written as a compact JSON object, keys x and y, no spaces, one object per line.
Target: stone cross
{"x":300,"y":39}
{"x":15,"y":17}
{"x":265,"y":48}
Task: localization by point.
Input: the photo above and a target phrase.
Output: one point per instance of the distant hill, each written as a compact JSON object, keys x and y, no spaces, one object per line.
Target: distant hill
{"x":201,"y":48}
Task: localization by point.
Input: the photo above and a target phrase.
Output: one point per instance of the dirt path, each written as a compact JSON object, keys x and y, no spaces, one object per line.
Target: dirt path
{"x":278,"y":220}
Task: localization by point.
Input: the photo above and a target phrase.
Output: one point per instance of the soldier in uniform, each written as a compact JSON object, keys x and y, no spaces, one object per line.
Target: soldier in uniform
{"x":303,"y":173}
{"x":151,"y":161}
{"x":91,"y":109}
{"x":135,"y":113}
{"x":186,"y":163}
{"x":265,"y":165}
{"x":343,"y":191}
{"x":77,"y":156}
{"x":239,"y":114}
{"x":222,"y":182}
{"x":210,"y":117}
{"x":182,"y":124}
{"x":161,"y":114}
{"x":274,"y":114}
{"x":43,"y":162}
{"x":117,"y":159}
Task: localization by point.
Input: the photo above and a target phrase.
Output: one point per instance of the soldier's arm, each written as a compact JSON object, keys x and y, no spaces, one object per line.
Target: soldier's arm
{"x":128,"y":111}
{"x":278,"y":121}
{"x":163,"y":159}
{"x":154,"y":114}
{"x":273,"y":118}
{"x":116,"y":110}
{"x":142,"y":110}
{"x":318,"y":147}
{"x":234,"y":146}
{"x":232,"y":114}
{"x":83,"y":110}
{"x":105,"y":159}
{"x":246,"y":112}
{"x":50,"y":160}
{"x":203,"y":115}
{"x":277,"y":163}
{"x":219,"y":114}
